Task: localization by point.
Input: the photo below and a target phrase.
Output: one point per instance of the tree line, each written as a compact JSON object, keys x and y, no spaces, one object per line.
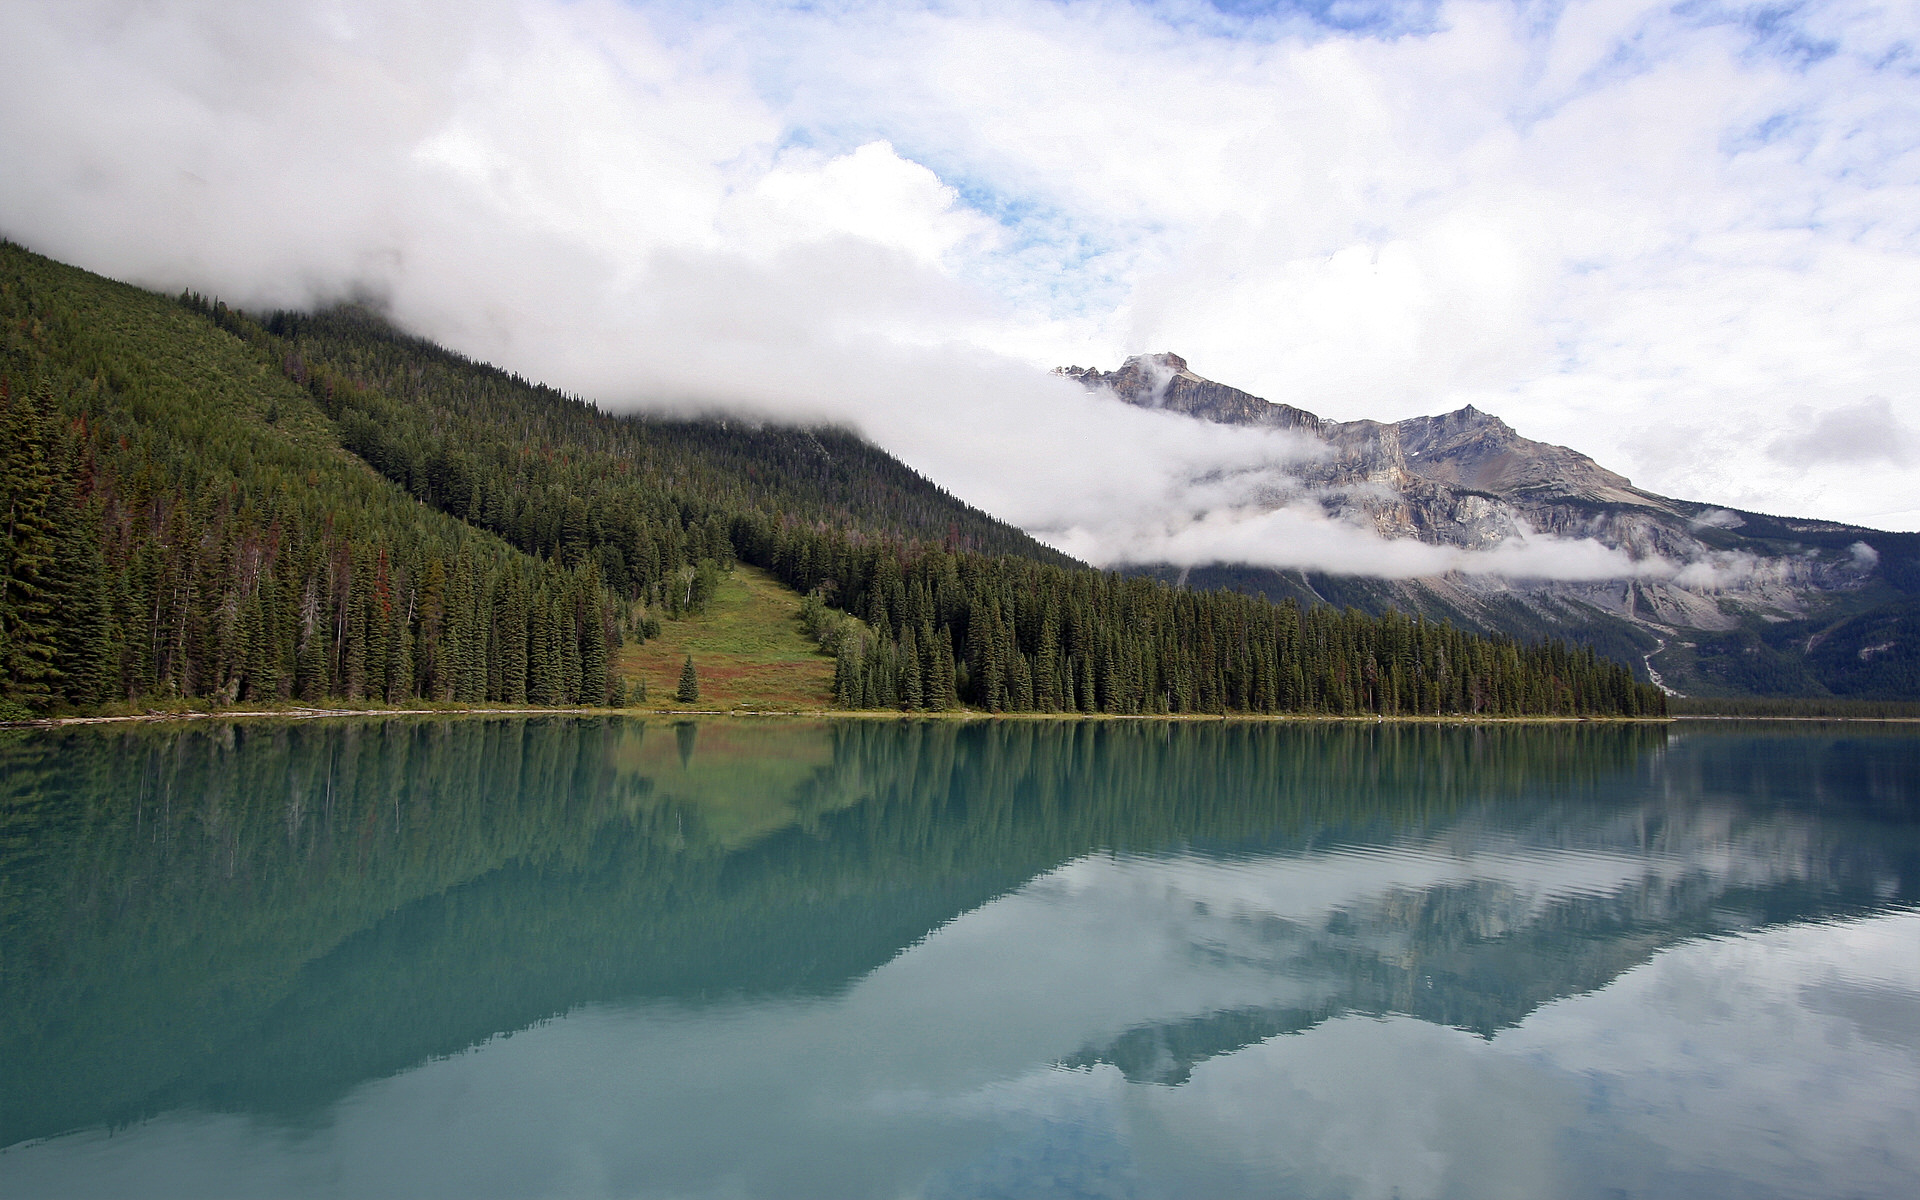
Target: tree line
{"x":935,"y":629}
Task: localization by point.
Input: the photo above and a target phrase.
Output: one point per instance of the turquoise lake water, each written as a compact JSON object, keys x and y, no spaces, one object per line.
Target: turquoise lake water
{"x":477,"y":957}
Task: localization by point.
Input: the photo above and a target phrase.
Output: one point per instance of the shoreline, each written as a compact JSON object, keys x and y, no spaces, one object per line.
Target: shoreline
{"x":1739,"y":717}
{"x":56,"y":722}
{"x":312,"y":714}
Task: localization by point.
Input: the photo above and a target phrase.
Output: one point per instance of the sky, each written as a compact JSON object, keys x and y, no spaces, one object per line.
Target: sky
{"x":1681,"y":238}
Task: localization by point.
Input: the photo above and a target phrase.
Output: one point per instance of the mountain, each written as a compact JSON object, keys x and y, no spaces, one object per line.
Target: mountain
{"x":488,"y":446}
{"x":1753,"y":604}
{"x":205,"y":506}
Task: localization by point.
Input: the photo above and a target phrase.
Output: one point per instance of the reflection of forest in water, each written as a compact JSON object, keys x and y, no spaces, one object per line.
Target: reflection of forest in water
{"x":259,"y":916}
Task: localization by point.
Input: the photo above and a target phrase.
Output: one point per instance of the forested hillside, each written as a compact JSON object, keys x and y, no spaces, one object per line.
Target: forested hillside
{"x":182,"y":522}
{"x":207,"y":506}
{"x":556,"y":476}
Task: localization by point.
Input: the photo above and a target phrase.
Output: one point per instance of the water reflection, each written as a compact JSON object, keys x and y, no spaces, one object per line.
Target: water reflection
{"x":945,"y":959}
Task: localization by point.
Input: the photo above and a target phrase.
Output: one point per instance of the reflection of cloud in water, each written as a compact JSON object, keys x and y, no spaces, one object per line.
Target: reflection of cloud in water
{"x":1773,"y":1063}
{"x":1712,"y":1070}
{"x":1531,"y":989}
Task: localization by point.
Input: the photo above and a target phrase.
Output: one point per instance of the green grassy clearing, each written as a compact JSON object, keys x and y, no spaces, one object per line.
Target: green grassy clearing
{"x":747,"y":647}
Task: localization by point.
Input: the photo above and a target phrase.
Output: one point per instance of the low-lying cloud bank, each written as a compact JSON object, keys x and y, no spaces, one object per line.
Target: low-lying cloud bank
{"x":1303,"y":536}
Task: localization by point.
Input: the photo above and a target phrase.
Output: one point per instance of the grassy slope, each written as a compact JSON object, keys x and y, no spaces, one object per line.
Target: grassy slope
{"x":748,"y":649}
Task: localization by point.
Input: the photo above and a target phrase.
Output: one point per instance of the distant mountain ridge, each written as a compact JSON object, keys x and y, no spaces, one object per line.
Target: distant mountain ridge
{"x":1466,"y":450}
{"x":1765,"y":593}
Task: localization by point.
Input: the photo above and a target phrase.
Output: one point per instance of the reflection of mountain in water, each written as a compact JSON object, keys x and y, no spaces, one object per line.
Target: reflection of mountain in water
{"x":261,"y":917}
{"x":1566,"y":897}
{"x":1479,"y":955}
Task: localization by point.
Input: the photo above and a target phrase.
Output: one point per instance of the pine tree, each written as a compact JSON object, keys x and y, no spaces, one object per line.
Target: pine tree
{"x":89,"y":654}
{"x":310,"y":671}
{"x":354,"y":651}
{"x":689,"y":689}
{"x":30,"y":543}
{"x":912,"y":689}
{"x":543,"y":653}
{"x":594,"y":687}
{"x":571,"y":672}
{"x":512,"y":618}
{"x":429,"y":669}
{"x":399,"y":657}
{"x":847,"y":671}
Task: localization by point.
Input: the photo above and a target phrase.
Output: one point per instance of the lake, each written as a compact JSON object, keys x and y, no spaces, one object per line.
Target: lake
{"x":554,"y":957}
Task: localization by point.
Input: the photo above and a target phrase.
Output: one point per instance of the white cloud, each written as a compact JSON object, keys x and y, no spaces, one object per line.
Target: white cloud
{"x":1717,"y":518}
{"x":1303,"y":535}
{"x":871,"y":193}
{"x":1653,"y":234}
{"x":1853,"y":434}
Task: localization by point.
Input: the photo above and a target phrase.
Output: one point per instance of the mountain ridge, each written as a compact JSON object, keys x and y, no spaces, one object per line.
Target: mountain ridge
{"x":1731,"y":585}
{"x":1467,"y":449}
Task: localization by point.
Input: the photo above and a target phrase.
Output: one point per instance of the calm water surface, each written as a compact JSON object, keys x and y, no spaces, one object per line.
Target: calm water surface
{"x":556,"y":958}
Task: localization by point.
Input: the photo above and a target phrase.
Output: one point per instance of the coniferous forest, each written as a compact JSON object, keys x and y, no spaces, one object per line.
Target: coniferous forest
{"x":204,"y":505}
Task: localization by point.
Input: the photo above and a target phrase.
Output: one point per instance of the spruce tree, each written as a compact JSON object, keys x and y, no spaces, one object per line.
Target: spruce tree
{"x":543,"y":662}
{"x":30,"y":543}
{"x":310,"y":669}
{"x":354,"y":651}
{"x":946,"y":689}
{"x":846,"y":671}
{"x":512,"y":617}
{"x":912,"y":690}
{"x":593,"y":656}
{"x":689,"y":689}
{"x":378,"y":625}
{"x":429,"y":671}
{"x":89,"y":650}
{"x":399,"y":658}
{"x":571,"y":675}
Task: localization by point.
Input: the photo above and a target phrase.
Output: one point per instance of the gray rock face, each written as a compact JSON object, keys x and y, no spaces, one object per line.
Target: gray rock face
{"x":1468,"y":451}
{"x":1467,"y":479}
{"x":1163,"y":381}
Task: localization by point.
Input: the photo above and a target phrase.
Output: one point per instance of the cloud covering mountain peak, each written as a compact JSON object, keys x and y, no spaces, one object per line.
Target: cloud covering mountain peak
{"x":1670,"y":236}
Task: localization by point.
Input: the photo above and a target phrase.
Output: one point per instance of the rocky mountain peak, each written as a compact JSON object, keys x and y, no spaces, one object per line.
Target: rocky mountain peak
{"x":1466,"y":478}
{"x":1165,"y":381}
{"x":1466,"y":450}
{"x":1477,"y":451}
